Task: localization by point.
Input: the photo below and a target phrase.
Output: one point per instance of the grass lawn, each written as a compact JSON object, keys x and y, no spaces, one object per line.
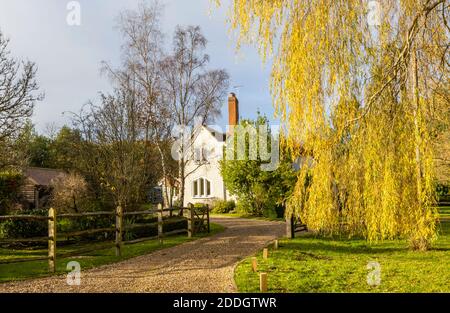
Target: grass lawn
{"x":309,"y":264}
{"x":243,"y":215}
{"x":444,"y":212}
{"x":31,"y":269}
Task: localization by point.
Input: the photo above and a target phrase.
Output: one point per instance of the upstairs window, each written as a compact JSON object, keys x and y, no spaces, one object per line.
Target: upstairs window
{"x":201,"y":154}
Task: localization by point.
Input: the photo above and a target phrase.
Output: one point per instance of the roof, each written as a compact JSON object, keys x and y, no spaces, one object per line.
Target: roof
{"x":216,"y":134}
{"x":43,"y":176}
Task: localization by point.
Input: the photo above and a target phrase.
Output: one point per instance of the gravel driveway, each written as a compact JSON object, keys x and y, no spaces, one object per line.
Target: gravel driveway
{"x":203,"y":265}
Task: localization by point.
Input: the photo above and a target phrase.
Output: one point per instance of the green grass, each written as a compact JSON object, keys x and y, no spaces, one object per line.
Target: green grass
{"x":18,"y":271}
{"x":309,"y":264}
{"x":444,"y":211}
{"x":244,"y":215}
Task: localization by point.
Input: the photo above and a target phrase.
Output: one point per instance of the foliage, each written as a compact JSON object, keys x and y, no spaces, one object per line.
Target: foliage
{"x":40,"y":152}
{"x":18,"y":89}
{"x":18,"y":95}
{"x":443,"y":190}
{"x":10,"y":184}
{"x":64,"y":147}
{"x":59,"y":151}
{"x":170,"y":224}
{"x":68,"y":192}
{"x":199,"y":205}
{"x":65,"y":225}
{"x":177,"y":204}
{"x":25,"y":228}
{"x":259,"y":191}
{"x":222,"y":206}
{"x":118,"y":159}
{"x":361,"y":101}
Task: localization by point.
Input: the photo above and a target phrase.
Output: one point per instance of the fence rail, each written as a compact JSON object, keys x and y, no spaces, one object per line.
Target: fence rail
{"x":76,"y":215}
{"x":23,"y":217}
{"x":197,"y":221}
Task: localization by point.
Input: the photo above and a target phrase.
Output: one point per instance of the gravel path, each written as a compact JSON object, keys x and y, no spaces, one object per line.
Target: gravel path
{"x":203,"y":265}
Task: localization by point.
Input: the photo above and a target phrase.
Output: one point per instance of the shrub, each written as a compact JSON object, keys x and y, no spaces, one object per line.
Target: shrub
{"x":245,"y":206}
{"x":10,"y":184}
{"x":69,"y":193}
{"x":25,"y":228}
{"x":222,"y":206}
{"x":443,"y":192}
{"x":152,"y":230}
{"x":177,"y":204}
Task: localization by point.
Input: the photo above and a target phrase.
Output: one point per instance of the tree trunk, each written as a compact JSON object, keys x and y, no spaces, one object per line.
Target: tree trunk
{"x":75,"y":203}
{"x":182,"y":181}
{"x":416,"y":114}
{"x":164,"y":169}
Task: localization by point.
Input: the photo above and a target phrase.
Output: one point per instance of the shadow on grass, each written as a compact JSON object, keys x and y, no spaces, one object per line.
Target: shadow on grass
{"x":341,"y":247}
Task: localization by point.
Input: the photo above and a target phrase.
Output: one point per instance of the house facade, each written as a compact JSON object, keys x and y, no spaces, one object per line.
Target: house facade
{"x":204,"y":183}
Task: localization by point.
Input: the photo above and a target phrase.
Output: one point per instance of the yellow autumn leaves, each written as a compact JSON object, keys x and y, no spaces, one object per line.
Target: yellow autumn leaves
{"x":347,"y":92}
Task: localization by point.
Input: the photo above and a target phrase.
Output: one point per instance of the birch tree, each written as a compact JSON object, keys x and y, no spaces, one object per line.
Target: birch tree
{"x":142,"y":56}
{"x":194,"y":93}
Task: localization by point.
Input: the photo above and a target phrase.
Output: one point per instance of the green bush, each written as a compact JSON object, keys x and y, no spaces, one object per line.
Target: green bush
{"x":67,"y":225}
{"x":245,"y":206}
{"x":152,"y":230}
{"x":177,"y":204}
{"x":25,"y":228}
{"x":10,"y":184}
{"x":443,"y":192}
{"x":222,"y":206}
{"x":11,"y":229}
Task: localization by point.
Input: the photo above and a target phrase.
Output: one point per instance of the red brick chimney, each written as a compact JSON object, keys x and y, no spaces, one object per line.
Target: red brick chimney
{"x":233,"y":110}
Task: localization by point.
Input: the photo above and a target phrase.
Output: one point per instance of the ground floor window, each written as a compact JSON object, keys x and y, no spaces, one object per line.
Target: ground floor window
{"x":201,"y":187}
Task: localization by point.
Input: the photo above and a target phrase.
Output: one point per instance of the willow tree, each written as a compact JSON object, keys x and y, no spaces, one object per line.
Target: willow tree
{"x":357,"y":84}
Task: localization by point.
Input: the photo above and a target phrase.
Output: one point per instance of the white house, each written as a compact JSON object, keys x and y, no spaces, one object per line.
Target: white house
{"x":204,"y":184}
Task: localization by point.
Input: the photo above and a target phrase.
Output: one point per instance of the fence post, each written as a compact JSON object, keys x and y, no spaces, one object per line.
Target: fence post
{"x":207,"y":216}
{"x":265,"y":253}
{"x":52,"y":240}
{"x":190,"y":220}
{"x":160,"y":223}
{"x":119,"y":219}
{"x":254,"y":264}
{"x":263,"y":282}
{"x":290,"y":227}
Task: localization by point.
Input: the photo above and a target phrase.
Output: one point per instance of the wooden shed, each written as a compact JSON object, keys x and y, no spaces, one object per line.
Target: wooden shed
{"x":38,"y":181}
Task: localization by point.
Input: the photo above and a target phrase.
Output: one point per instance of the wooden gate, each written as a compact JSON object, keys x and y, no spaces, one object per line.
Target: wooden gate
{"x":198,"y":219}
{"x":293,"y":225}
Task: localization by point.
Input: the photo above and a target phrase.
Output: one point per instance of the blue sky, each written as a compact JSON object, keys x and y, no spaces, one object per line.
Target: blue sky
{"x":68,"y":57}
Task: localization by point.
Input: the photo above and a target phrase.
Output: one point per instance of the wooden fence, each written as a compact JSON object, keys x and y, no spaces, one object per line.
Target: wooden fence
{"x":294,"y":225}
{"x":197,"y":221}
